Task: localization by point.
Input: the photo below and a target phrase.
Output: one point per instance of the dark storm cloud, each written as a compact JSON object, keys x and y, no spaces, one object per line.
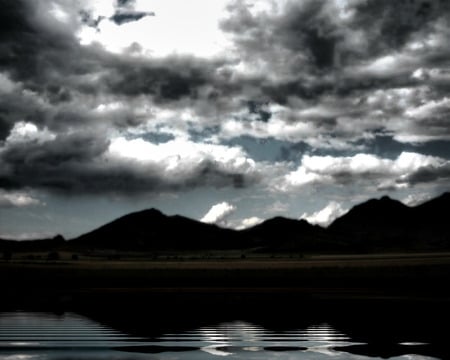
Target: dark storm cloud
{"x":307,"y":40}
{"x":89,"y":20}
{"x":48,"y":66}
{"x":79,"y":163}
{"x":60,"y":83}
{"x":259,"y":109}
{"x":126,"y":16}
{"x":391,"y":24}
{"x":5,"y":128}
{"x":125,"y":3}
{"x":300,"y":87}
{"x":304,"y":55}
{"x":303,"y":28}
{"x":50,"y":108}
{"x":300,"y":40}
{"x":430,"y":175}
{"x":57,"y":94}
{"x":318,"y":44}
{"x":48,"y":163}
{"x":28,"y":49}
{"x":55,"y":74}
{"x":320,"y":53}
{"x":15,"y":107}
{"x":168,"y":80}
{"x":306,"y":28}
{"x":66,"y":148}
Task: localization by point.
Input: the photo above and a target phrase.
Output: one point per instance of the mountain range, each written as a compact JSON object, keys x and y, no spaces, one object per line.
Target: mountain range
{"x":376,"y":225}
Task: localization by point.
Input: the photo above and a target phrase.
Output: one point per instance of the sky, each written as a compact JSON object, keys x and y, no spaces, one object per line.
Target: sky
{"x":224,"y":111}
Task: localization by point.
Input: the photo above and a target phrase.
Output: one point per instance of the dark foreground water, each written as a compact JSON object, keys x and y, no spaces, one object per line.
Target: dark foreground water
{"x":239,"y":327}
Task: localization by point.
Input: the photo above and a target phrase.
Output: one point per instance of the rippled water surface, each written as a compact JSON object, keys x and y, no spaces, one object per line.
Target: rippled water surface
{"x":28,"y":335}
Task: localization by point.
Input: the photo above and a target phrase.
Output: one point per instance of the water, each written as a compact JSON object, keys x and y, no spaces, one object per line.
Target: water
{"x":42,"y":335}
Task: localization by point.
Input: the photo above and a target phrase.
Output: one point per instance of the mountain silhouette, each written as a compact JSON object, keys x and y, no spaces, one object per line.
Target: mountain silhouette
{"x":430,"y":222}
{"x":374,"y":224}
{"x":435,"y":210}
{"x":377,"y":225}
{"x":284,"y":234}
{"x":373,"y":214}
{"x":380,"y":224}
{"x":152,"y":230}
{"x":32,"y":245}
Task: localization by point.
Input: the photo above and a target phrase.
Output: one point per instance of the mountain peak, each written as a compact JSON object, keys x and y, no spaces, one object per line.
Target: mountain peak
{"x":382,"y":223}
{"x":153,"y":211}
{"x":386,"y":198}
{"x":384,"y":201}
{"x":373,"y":213}
{"x":143,"y":214}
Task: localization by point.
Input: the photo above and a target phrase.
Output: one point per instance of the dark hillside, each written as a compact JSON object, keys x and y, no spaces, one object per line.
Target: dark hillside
{"x":283,"y":234}
{"x":377,"y":225}
{"x":151,"y":230}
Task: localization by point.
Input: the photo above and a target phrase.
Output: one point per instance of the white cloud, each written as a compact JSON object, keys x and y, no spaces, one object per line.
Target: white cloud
{"x":277,"y":207}
{"x":182,"y":157}
{"x":59,"y":13}
{"x":433,"y":75}
{"x":6,"y":84}
{"x":27,"y":236}
{"x":249,"y":222}
{"x":303,"y":176}
{"x":26,"y":131}
{"x":178,"y":27}
{"x":360,"y":167}
{"x":325,"y":216}
{"x":431,"y":108}
{"x":404,"y":98}
{"x":277,"y":128}
{"x":387,"y":65}
{"x":219,"y":213}
{"x":423,"y":118}
{"x":297,"y":122}
{"x":416,"y":199}
{"x":18,"y":199}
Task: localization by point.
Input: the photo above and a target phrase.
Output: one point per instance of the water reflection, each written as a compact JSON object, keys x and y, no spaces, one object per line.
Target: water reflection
{"x":27,"y":335}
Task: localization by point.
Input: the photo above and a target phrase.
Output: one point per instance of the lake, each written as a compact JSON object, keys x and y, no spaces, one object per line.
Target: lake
{"x":236,"y":327}
{"x":262,"y":309}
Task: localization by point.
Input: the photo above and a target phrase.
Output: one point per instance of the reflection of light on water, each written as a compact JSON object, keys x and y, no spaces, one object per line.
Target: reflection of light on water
{"x":224,"y":334}
{"x":227,"y":331}
{"x":324,"y":332}
{"x":28,"y":332}
{"x":22,"y":343}
{"x":214,"y":350}
{"x":326,"y":338}
{"x":325,"y":350}
{"x":214,"y":336}
{"x":54,"y":337}
{"x":252,"y":348}
{"x":228,"y":338}
{"x":218,"y":338}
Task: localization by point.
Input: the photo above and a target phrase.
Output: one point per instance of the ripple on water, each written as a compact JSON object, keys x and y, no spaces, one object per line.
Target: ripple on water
{"x":44,"y":336}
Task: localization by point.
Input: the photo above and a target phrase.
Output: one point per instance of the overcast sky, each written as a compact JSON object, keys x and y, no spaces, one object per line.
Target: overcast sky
{"x":220,"y":110}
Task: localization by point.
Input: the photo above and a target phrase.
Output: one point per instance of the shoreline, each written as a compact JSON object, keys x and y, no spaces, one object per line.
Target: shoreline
{"x":408,"y":275}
